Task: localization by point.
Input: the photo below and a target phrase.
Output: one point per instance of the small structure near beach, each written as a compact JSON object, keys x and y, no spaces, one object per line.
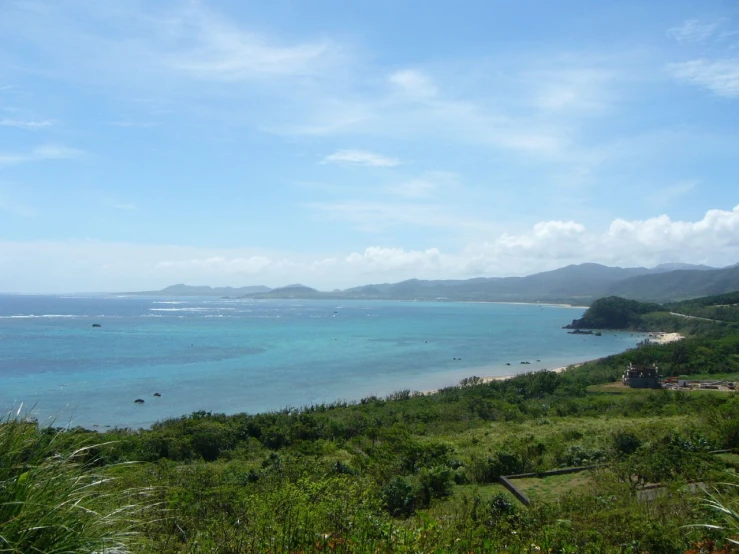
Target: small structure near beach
{"x":642,"y":377}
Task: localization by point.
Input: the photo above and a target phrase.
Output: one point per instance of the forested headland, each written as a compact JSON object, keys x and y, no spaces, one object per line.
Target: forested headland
{"x":412,"y":472}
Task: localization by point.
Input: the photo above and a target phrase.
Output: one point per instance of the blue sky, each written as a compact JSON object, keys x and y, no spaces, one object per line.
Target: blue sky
{"x":342,"y":143}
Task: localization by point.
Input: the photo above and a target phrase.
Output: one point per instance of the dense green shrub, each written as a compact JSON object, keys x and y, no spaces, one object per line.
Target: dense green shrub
{"x":398,"y":497}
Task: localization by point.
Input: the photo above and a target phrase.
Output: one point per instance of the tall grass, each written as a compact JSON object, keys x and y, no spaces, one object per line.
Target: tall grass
{"x":54,"y":501}
{"x":726,"y":510}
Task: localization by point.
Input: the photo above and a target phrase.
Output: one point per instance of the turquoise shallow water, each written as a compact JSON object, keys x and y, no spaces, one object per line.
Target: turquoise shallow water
{"x":248,"y":356}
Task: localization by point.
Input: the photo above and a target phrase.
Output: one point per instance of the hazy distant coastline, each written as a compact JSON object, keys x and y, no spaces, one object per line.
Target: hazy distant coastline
{"x":573,"y":285}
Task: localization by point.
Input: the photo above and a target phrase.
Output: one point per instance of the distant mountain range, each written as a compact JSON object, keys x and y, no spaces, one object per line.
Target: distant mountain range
{"x":678,"y":285}
{"x":574,"y":284}
{"x":187,"y":290}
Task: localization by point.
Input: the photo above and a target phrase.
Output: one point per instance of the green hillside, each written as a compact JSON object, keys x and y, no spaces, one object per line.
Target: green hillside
{"x":614,"y":313}
{"x":687,"y":316}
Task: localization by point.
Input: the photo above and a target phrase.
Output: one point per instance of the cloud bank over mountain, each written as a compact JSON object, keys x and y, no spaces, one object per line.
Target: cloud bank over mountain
{"x":90,"y":265}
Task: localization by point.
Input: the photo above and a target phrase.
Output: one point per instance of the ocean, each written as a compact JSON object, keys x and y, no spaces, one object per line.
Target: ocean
{"x":231,"y":356}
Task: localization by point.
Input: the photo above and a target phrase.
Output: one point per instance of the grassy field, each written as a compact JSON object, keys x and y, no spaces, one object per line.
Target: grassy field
{"x":619,"y":388}
{"x":731,"y":459}
{"x":616,"y":388}
{"x":483,"y":491}
{"x":549,"y":489}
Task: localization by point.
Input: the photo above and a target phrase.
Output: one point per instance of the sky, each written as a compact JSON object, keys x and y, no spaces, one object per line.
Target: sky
{"x":335,"y":144}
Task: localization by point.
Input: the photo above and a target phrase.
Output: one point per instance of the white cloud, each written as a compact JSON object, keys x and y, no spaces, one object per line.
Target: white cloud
{"x":156,"y":47}
{"x":549,"y":244}
{"x":42,"y":153}
{"x":360,"y":157}
{"x":57,"y":152}
{"x":32,"y":266}
{"x":451,"y":114}
{"x":414,"y":107}
{"x":193,"y":58}
{"x":714,"y":240}
{"x":414,"y":83}
{"x":693,"y":30}
{"x":377,"y":259}
{"x":717,"y":232}
{"x":214,"y":48}
{"x":13,"y":159}
{"x":719,"y":76}
{"x":29,"y":125}
{"x":544,"y":235}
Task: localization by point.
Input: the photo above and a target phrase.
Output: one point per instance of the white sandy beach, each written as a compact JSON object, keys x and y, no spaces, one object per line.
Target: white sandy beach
{"x":664,"y":338}
{"x":512,"y":375}
{"x":656,"y":338}
{"x":490,"y":378}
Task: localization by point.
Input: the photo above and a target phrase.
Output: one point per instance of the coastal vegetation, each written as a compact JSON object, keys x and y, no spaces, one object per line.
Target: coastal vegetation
{"x":415,"y":472}
{"x":701,"y":316}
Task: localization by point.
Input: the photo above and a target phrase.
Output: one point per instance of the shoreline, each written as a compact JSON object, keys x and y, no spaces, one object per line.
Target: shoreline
{"x":660,"y":337}
{"x":543,"y":304}
{"x":490,"y":378}
{"x":654,"y":337}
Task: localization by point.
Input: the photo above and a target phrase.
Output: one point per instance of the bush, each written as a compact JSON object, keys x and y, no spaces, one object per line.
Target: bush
{"x":577,"y":455}
{"x":625,"y":443}
{"x":435,"y":483}
{"x":398,"y":498}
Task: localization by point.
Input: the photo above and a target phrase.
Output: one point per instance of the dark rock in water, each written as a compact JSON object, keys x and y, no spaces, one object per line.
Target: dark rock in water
{"x":598,"y":334}
{"x":96,"y":325}
{"x":139,"y":401}
{"x":507,"y":363}
{"x":157,"y":394}
{"x":580,"y":332}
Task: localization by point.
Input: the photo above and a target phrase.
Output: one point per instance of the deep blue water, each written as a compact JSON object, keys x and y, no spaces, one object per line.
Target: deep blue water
{"x":250,"y":355}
